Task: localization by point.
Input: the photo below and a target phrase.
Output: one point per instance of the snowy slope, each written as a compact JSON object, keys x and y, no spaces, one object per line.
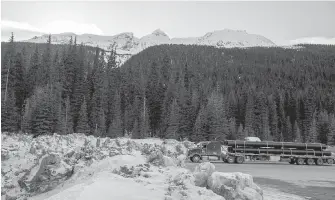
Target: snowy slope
{"x":231,"y":38}
{"x":127,"y":44}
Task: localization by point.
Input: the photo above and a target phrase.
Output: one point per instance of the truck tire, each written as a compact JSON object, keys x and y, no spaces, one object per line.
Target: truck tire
{"x":196,"y":158}
{"x":330,"y":161}
{"x":319,"y":161}
{"x":292,"y":161}
{"x":230,"y":159}
{"x":309,"y":161}
{"x":239,"y":159}
{"x":300,"y":161}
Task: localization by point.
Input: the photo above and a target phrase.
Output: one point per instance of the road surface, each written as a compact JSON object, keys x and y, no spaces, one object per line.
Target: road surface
{"x":310,"y":182}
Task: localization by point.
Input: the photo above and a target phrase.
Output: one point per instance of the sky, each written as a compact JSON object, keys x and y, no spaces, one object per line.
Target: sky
{"x":281,"y":22}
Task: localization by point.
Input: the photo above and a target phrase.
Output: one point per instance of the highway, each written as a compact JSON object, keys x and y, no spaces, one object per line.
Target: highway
{"x":310,"y":182}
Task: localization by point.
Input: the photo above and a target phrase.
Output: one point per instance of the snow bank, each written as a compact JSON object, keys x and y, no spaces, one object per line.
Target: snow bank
{"x":228,"y":185}
{"x":234,"y":186}
{"x":61,"y":167}
{"x":34,"y":165}
{"x":202,"y":172}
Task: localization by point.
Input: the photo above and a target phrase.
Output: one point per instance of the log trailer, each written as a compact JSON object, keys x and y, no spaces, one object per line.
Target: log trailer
{"x":237,"y":151}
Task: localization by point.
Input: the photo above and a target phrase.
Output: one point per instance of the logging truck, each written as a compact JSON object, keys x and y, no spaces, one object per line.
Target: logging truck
{"x":237,"y":151}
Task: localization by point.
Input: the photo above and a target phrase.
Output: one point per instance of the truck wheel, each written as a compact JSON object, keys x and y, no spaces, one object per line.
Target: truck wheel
{"x":196,"y":159}
{"x":330,"y":161}
{"x":300,"y":161}
{"x":231,"y":159}
{"x":239,"y":159}
{"x":309,"y":161}
{"x":319,"y":161}
{"x":292,"y":161}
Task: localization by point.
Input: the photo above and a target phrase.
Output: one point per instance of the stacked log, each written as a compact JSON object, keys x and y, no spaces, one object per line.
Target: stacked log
{"x":285,"y":148}
{"x":275,"y":145}
{"x":281,"y":151}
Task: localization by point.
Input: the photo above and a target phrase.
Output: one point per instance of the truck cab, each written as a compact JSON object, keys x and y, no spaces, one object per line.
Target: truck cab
{"x":207,"y":150}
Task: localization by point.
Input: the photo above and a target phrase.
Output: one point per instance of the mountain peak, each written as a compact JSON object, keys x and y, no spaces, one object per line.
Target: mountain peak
{"x":127,"y":44}
{"x":159,"y":32}
{"x":231,"y":30}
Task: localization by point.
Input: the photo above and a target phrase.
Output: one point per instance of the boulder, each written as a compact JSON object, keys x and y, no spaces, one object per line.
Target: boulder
{"x":46,"y":175}
{"x":234,"y":186}
{"x":202,"y":172}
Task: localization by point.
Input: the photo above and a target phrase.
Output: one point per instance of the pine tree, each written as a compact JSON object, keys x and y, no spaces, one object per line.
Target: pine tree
{"x":9,"y":114}
{"x":232,"y":129}
{"x":217,"y":119}
{"x":68,"y":117}
{"x":136,"y":132}
{"x":27,"y":116}
{"x":331,"y":134}
{"x":273,"y":120}
{"x":115,"y":128}
{"x":102,"y":123}
{"x":60,"y":127}
{"x":200,"y":129}
{"x":240,"y":133}
{"x":260,"y":115}
{"x":155,"y":96}
{"x":83,"y":126}
{"x":18,"y":81}
{"x":42,"y":116}
{"x":281,"y":115}
{"x":281,"y":139}
{"x":33,"y":72}
{"x":6,"y":71}
{"x":249,"y":116}
{"x":173,"y":121}
{"x":45,"y":67}
{"x":288,"y":129}
{"x":312,"y":134}
{"x":308,"y":110}
{"x":323,"y":127}
{"x":265,"y":125}
{"x":297,"y":134}
{"x":144,"y":120}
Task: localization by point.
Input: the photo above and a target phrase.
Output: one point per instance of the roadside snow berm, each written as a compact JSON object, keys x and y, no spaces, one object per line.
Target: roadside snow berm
{"x":202,"y":172}
{"x":231,"y":186}
{"x":46,"y":175}
{"x":234,"y":186}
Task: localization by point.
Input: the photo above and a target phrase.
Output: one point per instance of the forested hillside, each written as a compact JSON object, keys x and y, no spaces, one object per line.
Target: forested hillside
{"x":171,"y":91}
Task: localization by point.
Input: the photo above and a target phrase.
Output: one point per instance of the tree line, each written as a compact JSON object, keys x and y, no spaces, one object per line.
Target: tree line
{"x":170,"y":91}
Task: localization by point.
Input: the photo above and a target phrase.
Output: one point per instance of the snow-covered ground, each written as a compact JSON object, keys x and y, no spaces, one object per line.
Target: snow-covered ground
{"x":76,"y":166}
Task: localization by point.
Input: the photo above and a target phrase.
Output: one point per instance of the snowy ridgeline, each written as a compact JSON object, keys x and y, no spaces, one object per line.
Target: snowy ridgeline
{"x":127,"y":44}
{"x":76,"y":166}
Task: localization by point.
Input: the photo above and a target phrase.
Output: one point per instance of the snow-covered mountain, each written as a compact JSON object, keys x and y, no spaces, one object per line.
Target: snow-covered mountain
{"x":127,"y":44}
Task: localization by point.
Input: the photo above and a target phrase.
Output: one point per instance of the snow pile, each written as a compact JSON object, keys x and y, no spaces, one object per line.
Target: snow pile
{"x":34,"y":165}
{"x":234,"y":186}
{"x":202,"y":172}
{"x":228,"y":185}
{"x":70,"y":167}
{"x":140,"y":182}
